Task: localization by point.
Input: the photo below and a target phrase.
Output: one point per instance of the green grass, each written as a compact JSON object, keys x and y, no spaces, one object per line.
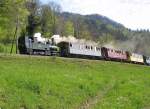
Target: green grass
{"x":57,"y":83}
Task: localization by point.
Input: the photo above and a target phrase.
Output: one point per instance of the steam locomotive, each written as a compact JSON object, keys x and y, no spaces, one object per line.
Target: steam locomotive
{"x":37,"y":46}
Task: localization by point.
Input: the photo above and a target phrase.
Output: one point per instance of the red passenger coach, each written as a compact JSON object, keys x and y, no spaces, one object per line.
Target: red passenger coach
{"x":114,"y":54}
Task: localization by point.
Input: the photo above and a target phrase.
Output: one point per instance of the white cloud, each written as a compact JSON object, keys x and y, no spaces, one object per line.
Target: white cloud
{"x":132,"y":13}
{"x":145,"y":2}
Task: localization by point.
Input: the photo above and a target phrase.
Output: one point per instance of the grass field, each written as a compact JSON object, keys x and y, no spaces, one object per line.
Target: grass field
{"x":57,"y":83}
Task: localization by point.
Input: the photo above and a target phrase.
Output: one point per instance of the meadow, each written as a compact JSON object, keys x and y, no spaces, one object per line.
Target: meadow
{"x":35,"y":82}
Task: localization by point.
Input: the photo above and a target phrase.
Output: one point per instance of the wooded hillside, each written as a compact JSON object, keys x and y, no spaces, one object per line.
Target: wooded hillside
{"x":25,"y":17}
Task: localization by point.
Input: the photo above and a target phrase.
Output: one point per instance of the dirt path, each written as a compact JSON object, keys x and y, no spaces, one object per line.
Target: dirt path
{"x":91,"y":102}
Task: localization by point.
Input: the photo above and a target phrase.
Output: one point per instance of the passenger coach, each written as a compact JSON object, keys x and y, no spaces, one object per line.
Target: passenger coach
{"x":79,"y":49}
{"x":112,"y":54}
{"x":136,"y":58}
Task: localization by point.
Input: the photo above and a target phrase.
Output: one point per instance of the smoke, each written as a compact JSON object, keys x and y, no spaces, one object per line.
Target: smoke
{"x":58,"y":39}
{"x":109,"y":45}
{"x":136,"y":44}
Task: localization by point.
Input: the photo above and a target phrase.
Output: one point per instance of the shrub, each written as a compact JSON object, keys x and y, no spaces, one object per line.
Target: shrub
{"x":2,"y":48}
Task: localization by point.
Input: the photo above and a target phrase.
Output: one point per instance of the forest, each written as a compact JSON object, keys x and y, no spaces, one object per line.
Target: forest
{"x":19,"y":18}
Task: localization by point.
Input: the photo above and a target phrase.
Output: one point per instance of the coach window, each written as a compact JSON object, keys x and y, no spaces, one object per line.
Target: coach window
{"x":86,"y":46}
{"x":98,"y":49}
{"x":70,"y":44}
{"x":91,"y":48}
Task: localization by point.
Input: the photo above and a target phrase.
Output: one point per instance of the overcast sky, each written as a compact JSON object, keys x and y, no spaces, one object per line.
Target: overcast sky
{"x":131,"y":13}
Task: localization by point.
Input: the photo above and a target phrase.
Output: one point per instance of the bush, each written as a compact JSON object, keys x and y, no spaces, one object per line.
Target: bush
{"x":2,"y":48}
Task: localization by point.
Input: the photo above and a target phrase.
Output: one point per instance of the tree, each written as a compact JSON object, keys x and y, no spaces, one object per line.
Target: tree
{"x":12,"y":11}
{"x":55,"y":9}
{"x":13,"y":20}
{"x":34,"y":20}
{"x":69,"y":29}
{"x":42,"y":18}
{"x":105,"y":38}
{"x":47,"y":20}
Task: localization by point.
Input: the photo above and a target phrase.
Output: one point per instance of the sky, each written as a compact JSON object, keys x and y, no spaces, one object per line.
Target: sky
{"x":133,"y":14}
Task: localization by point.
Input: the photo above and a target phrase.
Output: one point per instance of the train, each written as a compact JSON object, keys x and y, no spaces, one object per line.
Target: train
{"x":80,"y":49}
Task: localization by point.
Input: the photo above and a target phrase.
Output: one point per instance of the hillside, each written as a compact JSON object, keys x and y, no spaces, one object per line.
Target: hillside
{"x":93,"y":17}
{"x":97,"y":26}
{"x":109,"y":32}
{"x":34,"y":82}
